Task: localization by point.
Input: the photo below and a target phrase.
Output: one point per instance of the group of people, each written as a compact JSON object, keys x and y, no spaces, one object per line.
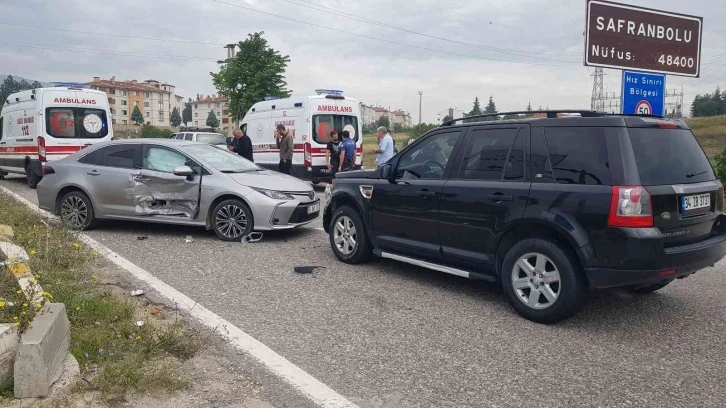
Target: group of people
{"x":340,"y":155}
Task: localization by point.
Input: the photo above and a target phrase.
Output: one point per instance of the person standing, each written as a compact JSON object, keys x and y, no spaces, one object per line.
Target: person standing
{"x":242,"y":145}
{"x":332,"y":153}
{"x":347,"y":153}
{"x":384,"y":152}
{"x":284,"y":142}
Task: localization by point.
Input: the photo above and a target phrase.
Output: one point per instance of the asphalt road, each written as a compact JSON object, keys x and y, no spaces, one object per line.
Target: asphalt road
{"x":391,"y":335}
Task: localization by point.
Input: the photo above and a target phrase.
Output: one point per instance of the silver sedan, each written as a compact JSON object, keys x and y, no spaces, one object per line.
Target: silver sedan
{"x":174,"y":182}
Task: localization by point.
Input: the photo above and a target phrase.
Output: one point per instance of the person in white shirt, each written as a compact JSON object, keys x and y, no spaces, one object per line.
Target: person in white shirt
{"x":384,"y":152}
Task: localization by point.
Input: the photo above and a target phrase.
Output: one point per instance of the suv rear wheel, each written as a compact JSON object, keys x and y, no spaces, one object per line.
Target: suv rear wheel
{"x":348,"y":236}
{"x":542,"y":281}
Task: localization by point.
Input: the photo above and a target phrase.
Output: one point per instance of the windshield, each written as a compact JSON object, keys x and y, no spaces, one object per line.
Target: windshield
{"x":211,"y":138}
{"x":222,"y":160}
{"x":667,"y":156}
{"x":324,"y":124}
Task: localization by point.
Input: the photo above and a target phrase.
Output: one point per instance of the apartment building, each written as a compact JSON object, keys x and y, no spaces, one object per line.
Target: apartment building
{"x":201,"y":107}
{"x":367,"y":115}
{"x":402,"y":118}
{"x":155,"y":100}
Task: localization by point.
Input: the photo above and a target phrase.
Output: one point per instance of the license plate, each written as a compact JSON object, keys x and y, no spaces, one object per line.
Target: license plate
{"x":314,"y":208}
{"x":695,"y":202}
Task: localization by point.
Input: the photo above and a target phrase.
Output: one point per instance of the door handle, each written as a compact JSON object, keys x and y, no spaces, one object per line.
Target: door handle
{"x":141,"y":178}
{"x":93,"y":173}
{"x":499,"y":197}
{"x":425,"y":193}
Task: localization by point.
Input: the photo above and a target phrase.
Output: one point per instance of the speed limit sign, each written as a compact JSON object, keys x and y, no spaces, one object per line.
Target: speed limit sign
{"x":643,"y":108}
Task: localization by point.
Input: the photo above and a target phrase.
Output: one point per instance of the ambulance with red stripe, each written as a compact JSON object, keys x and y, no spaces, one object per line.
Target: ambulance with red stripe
{"x":42,"y":125}
{"x":309,"y":119}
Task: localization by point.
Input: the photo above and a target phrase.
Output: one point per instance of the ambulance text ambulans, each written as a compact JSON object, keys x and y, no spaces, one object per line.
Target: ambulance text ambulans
{"x":309,"y":119}
{"x":46,"y":124}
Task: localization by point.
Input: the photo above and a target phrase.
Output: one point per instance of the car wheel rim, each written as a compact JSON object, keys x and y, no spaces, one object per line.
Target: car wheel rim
{"x":536,"y":281}
{"x":75,"y":212}
{"x":231,"y":221}
{"x":345,"y":235}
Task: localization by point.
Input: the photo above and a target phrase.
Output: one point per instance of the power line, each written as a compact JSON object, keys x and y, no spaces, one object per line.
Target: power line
{"x":106,"y":52}
{"x":333,"y":11}
{"x":383,"y":40}
{"x":108,"y":34}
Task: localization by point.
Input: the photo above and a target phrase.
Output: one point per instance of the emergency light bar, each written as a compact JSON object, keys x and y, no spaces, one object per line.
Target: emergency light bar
{"x":69,"y":84}
{"x":329,"y":92}
{"x":271,"y":98}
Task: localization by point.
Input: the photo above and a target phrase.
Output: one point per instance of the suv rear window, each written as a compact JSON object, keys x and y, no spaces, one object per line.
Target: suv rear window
{"x":666,"y":156}
{"x":578,"y":155}
{"x":211,"y":138}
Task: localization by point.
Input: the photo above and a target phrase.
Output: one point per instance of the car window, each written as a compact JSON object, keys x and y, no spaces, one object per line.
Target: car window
{"x":211,"y":138}
{"x":159,"y":158}
{"x":578,"y":155}
{"x":122,"y":156}
{"x":84,"y":123}
{"x":221,"y":159}
{"x":514,"y":170}
{"x":243,"y":128}
{"x":61,"y":122}
{"x":173,"y":136}
{"x":428,"y":159}
{"x":189,"y":136}
{"x":324,"y":124}
{"x":486,"y":154}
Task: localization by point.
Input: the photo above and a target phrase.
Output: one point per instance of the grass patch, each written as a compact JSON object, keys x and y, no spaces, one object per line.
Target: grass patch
{"x":115,"y":353}
{"x":370,"y":142}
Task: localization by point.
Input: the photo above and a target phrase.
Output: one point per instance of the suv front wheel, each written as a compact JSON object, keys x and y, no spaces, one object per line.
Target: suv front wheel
{"x":542,"y":281}
{"x":348,"y":236}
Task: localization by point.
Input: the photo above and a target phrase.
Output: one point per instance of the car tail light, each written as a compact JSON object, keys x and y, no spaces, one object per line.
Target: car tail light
{"x":630,"y":207}
{"x":48,"y":170}
{"x":308,"y":155}
{"x":41,"y":149}
{"x":665,"y":124}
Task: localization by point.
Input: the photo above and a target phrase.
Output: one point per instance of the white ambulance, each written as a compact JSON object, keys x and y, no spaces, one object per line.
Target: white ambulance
{"x":310,"y":119}
{"x":46,"y":124}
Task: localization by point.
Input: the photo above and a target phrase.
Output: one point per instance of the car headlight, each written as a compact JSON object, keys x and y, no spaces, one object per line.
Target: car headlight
{"x":328,"y":191}
{"x":275,"y":195}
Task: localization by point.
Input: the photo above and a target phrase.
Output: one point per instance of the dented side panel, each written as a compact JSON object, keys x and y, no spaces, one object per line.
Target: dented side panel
{"x":160,"y":193}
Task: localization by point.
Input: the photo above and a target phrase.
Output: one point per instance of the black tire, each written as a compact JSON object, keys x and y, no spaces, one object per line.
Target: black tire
{"x":568,"y":292}
{"x":650,"y":289}
{"x":31,"y":178}
{"x":362,"y":250}
{"x":236,"y":210}
{"x":2,"y":175}
{"x":83,"y":218}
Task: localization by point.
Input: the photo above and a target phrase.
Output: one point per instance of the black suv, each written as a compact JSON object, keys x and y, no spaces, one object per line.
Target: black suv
{"x":549,"y":206}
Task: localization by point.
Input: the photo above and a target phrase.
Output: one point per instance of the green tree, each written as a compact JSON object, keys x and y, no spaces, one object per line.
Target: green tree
{"x":175,"y":119}
{"x":212,"y":120}
{"x":475,"y":110}
{"x":148,"y":131}
{"x":491,"y":108}
{"x":720,"y":167}
{"x":256,"y":72}
{"x":384,"y":121}
{"x":10,"y":86}
{"x":187,"y":112}
{"x":136,"y":116}
{"x":718,"y":101}
{"x":419,"y":130}
{"x":398,"y":128}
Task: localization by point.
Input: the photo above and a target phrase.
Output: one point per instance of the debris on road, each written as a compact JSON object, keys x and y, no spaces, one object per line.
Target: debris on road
{"x":140,"y":323}
{"x":252,"y":237}
{"x":188,"y":239}
{"x":155,"y":311}
{"x":137,"y":292}
{"x":142,"y":237}
{"x":307,"y":269}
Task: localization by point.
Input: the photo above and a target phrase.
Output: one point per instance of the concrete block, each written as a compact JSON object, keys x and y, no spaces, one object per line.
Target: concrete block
{"x":43,"y":349}
{"x":8,"y":349}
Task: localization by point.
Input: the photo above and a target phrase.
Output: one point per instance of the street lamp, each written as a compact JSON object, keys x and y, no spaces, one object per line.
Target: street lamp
{"x":420,"y":101}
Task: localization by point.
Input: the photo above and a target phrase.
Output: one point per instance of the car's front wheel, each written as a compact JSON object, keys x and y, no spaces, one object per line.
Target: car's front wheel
{"x":542,"y":281}
{"x":232,"y":220}
{"x":349,"y":237}
{"x":76,"y":211}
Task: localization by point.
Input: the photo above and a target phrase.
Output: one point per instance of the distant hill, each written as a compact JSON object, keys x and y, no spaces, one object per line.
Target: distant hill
{"x":19,"y":78}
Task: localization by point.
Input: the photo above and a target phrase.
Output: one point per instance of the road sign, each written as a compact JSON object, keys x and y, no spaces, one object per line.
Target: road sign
{"x":621,"y":36}
{"x":643,"y":93}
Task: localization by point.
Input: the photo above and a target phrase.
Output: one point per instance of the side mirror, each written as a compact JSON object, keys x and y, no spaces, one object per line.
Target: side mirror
{"x":183,"y":171}
{"x":387,"y":172}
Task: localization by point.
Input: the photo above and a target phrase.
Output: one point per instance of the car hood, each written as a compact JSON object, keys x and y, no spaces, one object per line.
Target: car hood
{"x":271,"y":180}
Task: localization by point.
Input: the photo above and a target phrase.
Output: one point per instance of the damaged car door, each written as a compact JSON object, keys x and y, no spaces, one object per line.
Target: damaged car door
{"x":161,"y":193}
{"x":108,"y":178}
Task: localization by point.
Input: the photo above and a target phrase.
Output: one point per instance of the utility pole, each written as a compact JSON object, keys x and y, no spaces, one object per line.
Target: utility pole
{"x":420,"y":104}
{"x":598,"y":91}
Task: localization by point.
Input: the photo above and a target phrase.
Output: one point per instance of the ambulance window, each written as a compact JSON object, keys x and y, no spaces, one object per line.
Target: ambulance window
{"x":92,"y":123}
{"x":324,"y":124}
{"x":60,"y":122}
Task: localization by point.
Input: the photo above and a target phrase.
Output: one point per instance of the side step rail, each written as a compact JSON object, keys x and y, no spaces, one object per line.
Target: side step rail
{"x":436,"y":267}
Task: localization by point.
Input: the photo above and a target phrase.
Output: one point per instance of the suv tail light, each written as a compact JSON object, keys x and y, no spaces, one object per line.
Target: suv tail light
{"x":630,"y":207}
{"x":48,"y":170}
{"x":308,"y":155}
{"x":41,"y":149}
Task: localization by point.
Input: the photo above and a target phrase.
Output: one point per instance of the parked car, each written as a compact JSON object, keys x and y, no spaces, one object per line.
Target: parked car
{"x":549,"y":207}
{"x":174,"y":182}
{"x":216,"y":139}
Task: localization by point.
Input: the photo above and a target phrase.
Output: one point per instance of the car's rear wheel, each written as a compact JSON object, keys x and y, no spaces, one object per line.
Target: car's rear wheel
{"x":542,"y":281}
{"x":76,"y":211}
{"x":232,"y":220}
{"x":650,"y":289}
{"x":349,"y":237}
{"x":31,"y":179}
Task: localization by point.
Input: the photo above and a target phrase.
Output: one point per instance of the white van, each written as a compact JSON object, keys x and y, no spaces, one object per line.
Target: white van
{"x":46,"y":124}
{"x":310,"y":119}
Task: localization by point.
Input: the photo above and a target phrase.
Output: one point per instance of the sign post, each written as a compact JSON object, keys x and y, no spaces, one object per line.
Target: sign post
{"x":643,"y":94}
{"x":621,"y":36}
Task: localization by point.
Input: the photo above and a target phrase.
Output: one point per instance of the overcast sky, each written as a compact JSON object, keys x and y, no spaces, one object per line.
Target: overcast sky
{"x":525,"y":50}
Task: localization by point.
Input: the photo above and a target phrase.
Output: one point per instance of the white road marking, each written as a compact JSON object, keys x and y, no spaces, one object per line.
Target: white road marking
{"x":311,"y":388}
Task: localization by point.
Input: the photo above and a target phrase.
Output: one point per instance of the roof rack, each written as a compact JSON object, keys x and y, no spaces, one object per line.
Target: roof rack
{"x":635,"y":115}
{"x":550,"y":114}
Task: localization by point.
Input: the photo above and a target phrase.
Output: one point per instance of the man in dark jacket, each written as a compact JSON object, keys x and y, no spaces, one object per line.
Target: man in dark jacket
{"x":283,"y":139}
{"x":242,"y":145}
